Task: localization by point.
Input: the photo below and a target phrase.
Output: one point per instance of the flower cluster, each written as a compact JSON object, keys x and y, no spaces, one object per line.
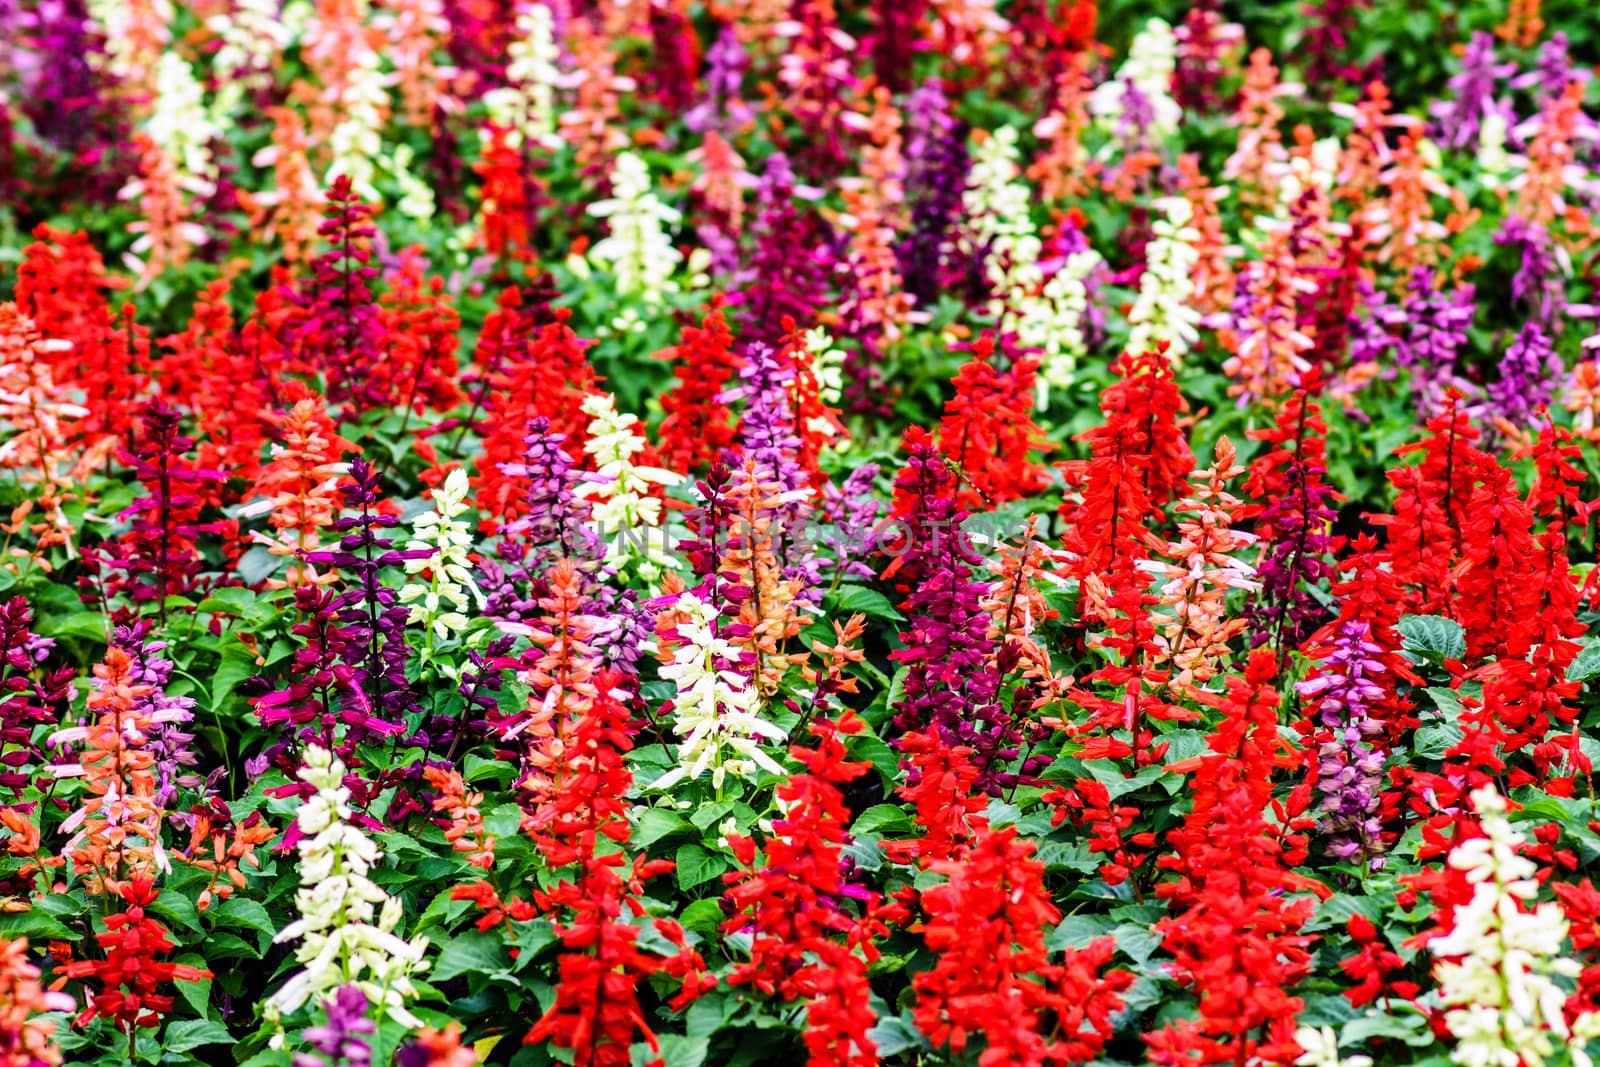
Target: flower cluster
{"x":1001,"y":532}
{"x":347,"y":922}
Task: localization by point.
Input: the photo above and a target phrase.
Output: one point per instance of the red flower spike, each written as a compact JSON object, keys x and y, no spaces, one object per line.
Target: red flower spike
{"x":131,"y":972}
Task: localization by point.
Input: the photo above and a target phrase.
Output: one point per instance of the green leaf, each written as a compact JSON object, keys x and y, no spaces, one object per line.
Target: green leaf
{"x":258,"y":564}
{"x":1077,"y":931}
{"x":231,"y":600}
{"x":1432,"y":742}
{"x":36,"y":926}
{"x":865,"y":852}
{"x":250,"y":914}
{"x":708,"y":1014}
{"x":897,"y":689}
{"x":853,"y":598}
{"x":1337,"y":910}
{"x":708,"y":814}
{"x":1182,"y":745}
{"x":658,"y":689}
{"x":675,"y":1051}
{"x":872,"y":748}
{"x":1138,"y":943}
{"x":478,"y":769}
{"x":530,"y":939}
{"x":401,"y":845}
{"x":268,"y":1057}
{"x":238,"y":663}
{"x":703,"y":916}
{"x":1327,"y":1009}
{"x":473,"y":952}
{"x":442,"y":911}
{"x":186,"y":1034}
{"x":1585,"y":665}
{"x":1432,"y":637}
{"x":220,"y":946}
{"x":881,"y":819}
{"x":503,"y":821}
{"x":178,"y":910}
{"x":196,"y":994}
{"x":1141,"y":996}
{"x":893,"y":1035}
{"x":697,"y":866}
{"x":60,"y":904}
{"x":86,"y":624}
{"x":1410,"y":1028}
{"x":1110,"y":775}
{"x":1448,"y":701}
{"x":657,"y":824}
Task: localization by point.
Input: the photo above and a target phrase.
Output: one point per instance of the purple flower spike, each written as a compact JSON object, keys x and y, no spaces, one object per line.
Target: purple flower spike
{"x":1350,"y":767}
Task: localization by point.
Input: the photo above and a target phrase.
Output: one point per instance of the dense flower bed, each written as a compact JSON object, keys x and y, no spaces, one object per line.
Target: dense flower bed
{"x":938,"y":532}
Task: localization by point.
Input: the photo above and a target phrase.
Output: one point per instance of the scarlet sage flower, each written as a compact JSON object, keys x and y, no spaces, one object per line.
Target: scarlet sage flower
{"x":993,"y":977}
{"x":1139,"y":460}
{"x":298,"y":490}
{"x":988,"y":429}
{"x":207,"y":371}
{"x":132,"y":971}
{"x":62,"y":284}
{"x":597,"y":1013}
{"x":506,"y":215}
{"x":1431,"y":508}
{"x":1237,"y":941}
{"x":698,"y":424}
{"x":812,"y":931}
{"x":543,"y":372}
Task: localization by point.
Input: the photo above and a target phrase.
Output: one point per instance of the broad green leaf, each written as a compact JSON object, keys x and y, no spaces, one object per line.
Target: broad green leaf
{"x":36,"y":926}
{"x":195,"y":994}
{"x":473,"y":952}
{"x":708,"y":1013}
{"x":243,"y":912}
{"x":675,"y":1051}
{"x":707,"y":815}
{"x":1434,"y":741}
{"x":887,"y":819}
{"x":1409,"y":1027}
{"x":479,"y":769}
{"x":1336,"y":911}
{"x":894,"y":1035}
{"x":872,"y":748}
{"x":86,"y":624}
{"x":848,"y":599}
{"x":1109,"y":775}
{"x":657,"y":824}
{"x":185,"y":1034}
{"x":1139,"y":943}
{"x":1448,"y":701}
{"x":1585,"y":665}
{"x":1077,"y":931}
{"x":703,"y":916}
{"x":178,"y":910}
{"x":231,"y":600}
{"x":697,"y":866}
{"x":1432,"y":637}
{"x":238,"y":663}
